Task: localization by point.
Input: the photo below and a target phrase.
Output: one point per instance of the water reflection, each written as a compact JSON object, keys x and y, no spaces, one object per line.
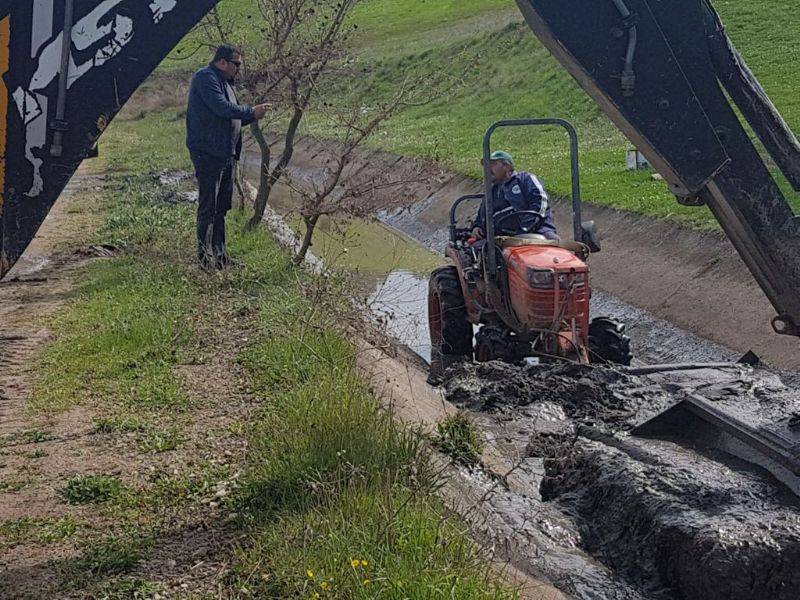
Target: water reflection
{"x":401,"y":303}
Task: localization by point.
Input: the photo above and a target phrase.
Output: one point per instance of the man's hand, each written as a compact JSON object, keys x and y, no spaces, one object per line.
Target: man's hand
{"x":477,"y":233}
{"x":260,"y":111}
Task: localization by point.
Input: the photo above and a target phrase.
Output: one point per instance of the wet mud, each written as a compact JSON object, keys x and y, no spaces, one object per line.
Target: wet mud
{"x":670,"y":521}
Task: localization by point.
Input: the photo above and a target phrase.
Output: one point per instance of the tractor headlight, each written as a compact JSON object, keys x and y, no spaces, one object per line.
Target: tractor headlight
{"x":541,"y":279}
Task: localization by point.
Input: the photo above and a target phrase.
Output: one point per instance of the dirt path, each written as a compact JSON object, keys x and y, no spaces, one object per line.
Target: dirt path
{"x":44,"y":540}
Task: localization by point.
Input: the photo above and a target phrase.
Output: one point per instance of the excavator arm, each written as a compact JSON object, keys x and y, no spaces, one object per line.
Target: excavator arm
{"x":56,"y":99}
{"x":658,"y":68}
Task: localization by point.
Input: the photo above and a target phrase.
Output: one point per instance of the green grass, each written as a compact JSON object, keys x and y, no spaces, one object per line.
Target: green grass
{"x":36,"y":436}
{"x":124,"y":332}
{"x":332,"y":479}
{"x":162,"y":440}
{"x":119,"y":341}
{"x":120,"y":425}
{"x":92,"y":489}
{"x":328,"y":478}
{"x":459,"y":437}
{"x":30,"y":436}
{"x":39,"y":530}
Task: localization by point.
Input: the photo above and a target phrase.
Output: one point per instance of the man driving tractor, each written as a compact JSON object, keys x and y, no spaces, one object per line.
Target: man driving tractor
{"x":513,"y":192}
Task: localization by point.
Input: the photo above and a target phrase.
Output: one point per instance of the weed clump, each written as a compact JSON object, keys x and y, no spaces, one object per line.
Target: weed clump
{"x":92,"y":489}
{"x":119,"y":425}
{"x":111,"y":556}
{"x":158,"y":441}
{"x":458,"y":437}
{"x":36,"y":436}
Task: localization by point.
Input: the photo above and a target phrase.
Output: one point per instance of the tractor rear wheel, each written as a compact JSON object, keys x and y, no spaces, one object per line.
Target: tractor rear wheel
{"x":450,"y":329}
{"x":608,"y":342}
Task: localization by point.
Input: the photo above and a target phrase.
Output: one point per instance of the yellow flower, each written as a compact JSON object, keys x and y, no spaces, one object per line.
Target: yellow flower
{"x":325,"y":585}
{"x":354,"y":563}
{"x":310,"y":574}
{"x":366,"y":581}
{"x":364,"y":563}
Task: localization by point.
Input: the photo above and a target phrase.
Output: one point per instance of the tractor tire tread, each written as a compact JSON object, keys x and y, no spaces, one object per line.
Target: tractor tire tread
{"x":456,"y":328}
{"x":608,"y":341}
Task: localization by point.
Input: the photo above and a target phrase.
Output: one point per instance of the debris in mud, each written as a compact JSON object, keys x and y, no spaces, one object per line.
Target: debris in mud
{"x":675,"y":522}
{"x":171,"y":178}
{"x":176,"y":197}
{"x":680,"y":523}
{"x":170,"y":181}
{"x":596,"y":396}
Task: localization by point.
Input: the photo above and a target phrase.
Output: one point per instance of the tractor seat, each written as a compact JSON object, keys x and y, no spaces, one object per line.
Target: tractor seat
{"x":535,"y":239}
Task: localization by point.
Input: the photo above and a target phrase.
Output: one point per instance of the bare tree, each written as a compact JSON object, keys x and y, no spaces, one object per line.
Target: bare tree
{"x":302,"y":42}
{"x":341,"y":188}
{"x":299,"y":43}
{"x":303,"y":47}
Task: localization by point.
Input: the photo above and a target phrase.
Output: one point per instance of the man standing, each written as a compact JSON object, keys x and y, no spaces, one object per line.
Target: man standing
{"x":214,"y":121}
{"x":513,"y":192}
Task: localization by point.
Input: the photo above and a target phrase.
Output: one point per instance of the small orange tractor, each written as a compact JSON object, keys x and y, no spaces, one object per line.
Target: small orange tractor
{"x":528,"y":296}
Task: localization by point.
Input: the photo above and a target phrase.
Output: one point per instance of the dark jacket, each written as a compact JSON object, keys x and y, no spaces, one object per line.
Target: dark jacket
{"x":214,"y":118}
{"x":522,"y":192}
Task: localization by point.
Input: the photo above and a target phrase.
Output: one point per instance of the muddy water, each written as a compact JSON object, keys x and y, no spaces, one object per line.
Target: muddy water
{"x":605,"y":515}
{"x":400,"y":302}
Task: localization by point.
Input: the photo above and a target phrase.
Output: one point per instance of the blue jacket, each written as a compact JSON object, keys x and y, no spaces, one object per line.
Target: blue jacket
{"x":214,"y":118}
{"x":522,"y":192}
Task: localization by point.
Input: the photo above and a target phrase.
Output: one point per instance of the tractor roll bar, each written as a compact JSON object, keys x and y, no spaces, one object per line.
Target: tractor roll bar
{"x":576,"y":181}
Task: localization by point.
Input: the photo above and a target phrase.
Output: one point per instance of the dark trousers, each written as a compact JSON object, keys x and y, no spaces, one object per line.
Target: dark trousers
{"x":215,"y":188}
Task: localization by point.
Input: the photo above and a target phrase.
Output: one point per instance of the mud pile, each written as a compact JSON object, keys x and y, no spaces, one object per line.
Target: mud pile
{"x":607,"y":399}
{"x":674,"y":522}
{"x":679,"y":523}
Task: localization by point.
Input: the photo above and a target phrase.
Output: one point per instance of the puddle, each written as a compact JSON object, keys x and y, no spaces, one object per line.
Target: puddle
{"x":400,"y":303}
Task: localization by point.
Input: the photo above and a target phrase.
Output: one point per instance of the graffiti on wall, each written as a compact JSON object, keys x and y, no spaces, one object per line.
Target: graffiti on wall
{"x":96,"y":39}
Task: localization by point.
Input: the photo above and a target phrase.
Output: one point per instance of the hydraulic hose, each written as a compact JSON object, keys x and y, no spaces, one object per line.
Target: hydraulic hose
{"x":57,"y":149}
{"x":628,"y":74}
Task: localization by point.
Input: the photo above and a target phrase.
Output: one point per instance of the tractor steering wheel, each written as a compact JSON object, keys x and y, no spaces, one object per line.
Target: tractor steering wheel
{"x":500,"y":229}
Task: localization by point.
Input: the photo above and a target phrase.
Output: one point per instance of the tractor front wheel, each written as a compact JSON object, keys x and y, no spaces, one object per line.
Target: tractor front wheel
{"x":608,"y":342}
{"x":450,"y":329}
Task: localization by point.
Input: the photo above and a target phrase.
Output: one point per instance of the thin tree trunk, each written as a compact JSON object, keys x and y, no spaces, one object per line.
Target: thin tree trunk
{"x":311,"y":224}
{"x":241,"y":192}
{"x":262,"y":195}
{"x":265,"y":187}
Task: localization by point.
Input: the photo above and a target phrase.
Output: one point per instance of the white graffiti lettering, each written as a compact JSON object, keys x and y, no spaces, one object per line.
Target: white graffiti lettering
{"x":161,"y":8}
{"x":103,"y":31}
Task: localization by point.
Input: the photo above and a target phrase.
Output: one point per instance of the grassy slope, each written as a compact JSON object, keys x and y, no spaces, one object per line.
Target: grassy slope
{"x":517,"y":77}
{"x":334,"y":499}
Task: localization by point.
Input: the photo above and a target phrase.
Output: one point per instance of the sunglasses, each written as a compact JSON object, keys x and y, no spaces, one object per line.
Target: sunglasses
{"x":238,"y":63}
